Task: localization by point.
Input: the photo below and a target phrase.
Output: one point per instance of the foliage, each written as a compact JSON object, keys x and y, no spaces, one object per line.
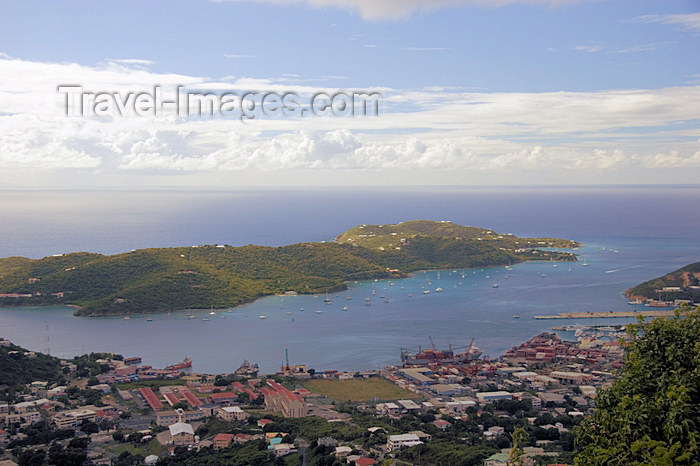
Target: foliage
{"x":650,"y":415}
{"x":684,"y":277}
{"x":447,"y":453}
{"x":163,"y":279}
{"x":18,"y":366}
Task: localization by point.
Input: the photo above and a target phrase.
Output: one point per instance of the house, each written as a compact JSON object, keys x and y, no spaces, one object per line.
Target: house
{"x":342,"y":451}
{"x":181,"y":434}
{"x":282,"y":449}
{"x":242,"y":438}
{"x":497,"y":459}
{"x":264,"y":422}
{"x":394,"y":442}
{"x":222,"y":441}
{"x":441,"y":424}
{"x":391,"y":409}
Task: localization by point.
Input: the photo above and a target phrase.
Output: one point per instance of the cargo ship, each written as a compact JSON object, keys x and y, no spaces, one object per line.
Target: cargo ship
{"x":187,"y":362}
{"x":432,"y":356}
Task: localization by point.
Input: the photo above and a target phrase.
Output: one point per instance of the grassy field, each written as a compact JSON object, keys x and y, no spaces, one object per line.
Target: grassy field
{"x":358,"y":389}
{"x":150,"y":448}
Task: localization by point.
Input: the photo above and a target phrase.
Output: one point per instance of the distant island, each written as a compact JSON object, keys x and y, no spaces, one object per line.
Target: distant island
{"x":680,"y":285}
{"x":220,"y":276}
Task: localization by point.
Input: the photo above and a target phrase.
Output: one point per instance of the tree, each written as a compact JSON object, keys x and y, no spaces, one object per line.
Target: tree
{"x":520,"y":439}
{"x":650,"y":415}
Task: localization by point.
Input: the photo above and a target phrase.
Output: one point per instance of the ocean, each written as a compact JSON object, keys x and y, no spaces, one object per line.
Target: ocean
{"x":630,"y":234}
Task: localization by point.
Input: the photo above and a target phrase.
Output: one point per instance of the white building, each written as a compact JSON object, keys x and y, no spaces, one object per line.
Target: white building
{"x":404,"y":440}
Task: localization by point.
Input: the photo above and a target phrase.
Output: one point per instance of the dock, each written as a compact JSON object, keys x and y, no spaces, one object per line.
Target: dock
{"x":609,"y":314}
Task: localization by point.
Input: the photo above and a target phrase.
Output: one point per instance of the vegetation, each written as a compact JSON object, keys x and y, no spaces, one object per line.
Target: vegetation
{"x":650,"y":415}
{"x":19,"y":366}
{"x":358,"y":389}
{"x":685,"y":278}
{"x":164,"y":279}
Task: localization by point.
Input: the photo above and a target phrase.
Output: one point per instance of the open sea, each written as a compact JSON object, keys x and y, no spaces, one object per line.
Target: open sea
{"x":630,"y":235}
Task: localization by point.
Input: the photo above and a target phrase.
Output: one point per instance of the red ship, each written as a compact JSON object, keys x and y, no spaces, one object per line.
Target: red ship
{"x":187,"y":362}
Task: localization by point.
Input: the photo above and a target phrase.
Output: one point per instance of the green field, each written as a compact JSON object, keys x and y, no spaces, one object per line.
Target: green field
{"x":358,"y":389}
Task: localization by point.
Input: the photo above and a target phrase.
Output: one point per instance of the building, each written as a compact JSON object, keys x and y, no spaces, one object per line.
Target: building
{"x":497,"y":459}
{"x":283,"y":449}
{"x":390,"y":409}
{"x":395,"y":442}
{"x":224,"y":398}
{"x":222,"y":441}
{"x":567,"y":378}
{"x":487,"y":397}
{"x":459,"y":406}
{"x":73,"y":418}
{"x":166,"y":418}
{"x":231,"y":413}
{"x":279,"y":399}
{"x":181,"y":434}
{"x":418,"y":375}
{"x":409,"y":406}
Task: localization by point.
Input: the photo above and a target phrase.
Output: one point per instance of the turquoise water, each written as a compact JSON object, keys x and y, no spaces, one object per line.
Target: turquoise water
{"x":653,"y":230}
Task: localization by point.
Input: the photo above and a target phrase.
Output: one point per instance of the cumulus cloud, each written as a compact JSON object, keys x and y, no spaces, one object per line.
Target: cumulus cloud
{"x":428,"y":129}
{"x":393,"y":9}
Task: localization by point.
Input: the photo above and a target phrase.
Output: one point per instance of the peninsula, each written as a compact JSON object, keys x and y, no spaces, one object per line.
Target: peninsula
{"x":221,"y":276}
{"x":682,"y":285}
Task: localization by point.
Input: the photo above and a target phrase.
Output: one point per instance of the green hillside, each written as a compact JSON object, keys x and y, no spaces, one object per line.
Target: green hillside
{"x":687,"y":278}
{"x":164,"y":279}
{"x":20,"y":366}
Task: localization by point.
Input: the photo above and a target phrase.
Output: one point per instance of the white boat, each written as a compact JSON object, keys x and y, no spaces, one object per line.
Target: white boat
{"x":126,"y":317}
{"x":426,"y":292}
{"x":319,"y":312}
{"x":262,"y":317}
{"x":495,"y":285}
{"x":289,"y":313}
{"x":205,"y":319}
{"x":212,"y":313}
{"x":345,"y":308}
{"x":438,"y":290}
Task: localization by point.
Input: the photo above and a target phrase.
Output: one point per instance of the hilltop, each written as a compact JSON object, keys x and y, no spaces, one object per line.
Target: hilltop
{"x":686,"y":278}
{"x":219,"y":276}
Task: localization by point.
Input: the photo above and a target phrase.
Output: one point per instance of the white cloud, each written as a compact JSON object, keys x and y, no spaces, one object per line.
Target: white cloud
{"x":393,"y":9}
{"x":430,"y":129}
{"x":689,"y":21}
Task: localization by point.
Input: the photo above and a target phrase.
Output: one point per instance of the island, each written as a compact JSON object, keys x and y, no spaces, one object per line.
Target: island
{"x":673,"y":289}
{"x":221,"y":276}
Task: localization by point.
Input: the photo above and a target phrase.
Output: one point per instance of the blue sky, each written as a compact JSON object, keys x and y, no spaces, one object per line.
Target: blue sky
{"x":636,"y":60}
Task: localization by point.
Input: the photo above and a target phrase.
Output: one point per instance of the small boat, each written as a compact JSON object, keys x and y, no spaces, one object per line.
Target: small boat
{"x":438,"y":290}
{"x":261,"y":317}
{"x":635,"y":302}
{"x":127,"y":317}
{"x":190,"y":316}
{"x":516,"y":316}
{"x":410,"y":295}
{"x":495,"y":285}
{"x":345,"y":308}
{"x":289,"y":313}
{"x":319,"y":312}
{"x":222,"y":317}
{"x":544,"y":275}
{"x":301,"y":309}
{"x":426,"y":292}
{"x":149,"y":319}
{"x":205,"y":319}
{"x":212,"y":313}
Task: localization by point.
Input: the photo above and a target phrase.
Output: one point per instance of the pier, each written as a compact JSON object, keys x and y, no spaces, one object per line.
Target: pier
{"x":609,"y":314}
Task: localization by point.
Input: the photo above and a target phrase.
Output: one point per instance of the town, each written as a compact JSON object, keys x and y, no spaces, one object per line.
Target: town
{"x":107,"y":409}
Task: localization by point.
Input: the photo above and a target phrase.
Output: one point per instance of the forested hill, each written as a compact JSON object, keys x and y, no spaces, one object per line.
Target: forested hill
{"x":163,"y":279}
{"x":686,"y":278}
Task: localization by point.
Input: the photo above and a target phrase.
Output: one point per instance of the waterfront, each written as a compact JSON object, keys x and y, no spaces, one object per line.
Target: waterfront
{"x":364,"y":337}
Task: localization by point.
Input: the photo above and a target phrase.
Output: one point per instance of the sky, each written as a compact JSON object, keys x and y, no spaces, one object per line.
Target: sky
{"x":473,"y":92}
